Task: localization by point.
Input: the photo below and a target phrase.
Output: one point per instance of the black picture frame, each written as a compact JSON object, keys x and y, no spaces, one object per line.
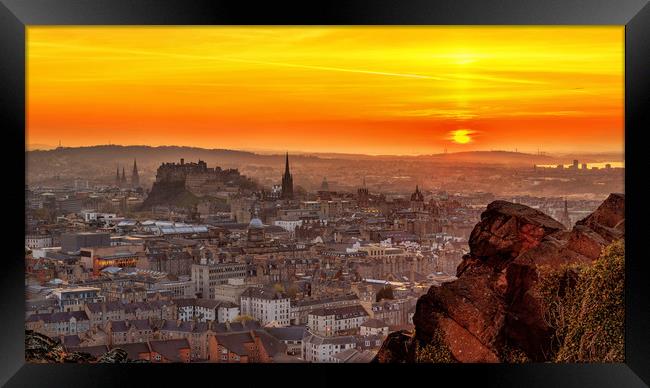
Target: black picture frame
{"x":15,"y":15}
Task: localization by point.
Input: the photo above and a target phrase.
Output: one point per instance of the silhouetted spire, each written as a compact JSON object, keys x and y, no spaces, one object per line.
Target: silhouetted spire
{"x":135,"y":177}
{"x":417,"y":195}
{"x":286,"y":165}
{"x":287,"y":181}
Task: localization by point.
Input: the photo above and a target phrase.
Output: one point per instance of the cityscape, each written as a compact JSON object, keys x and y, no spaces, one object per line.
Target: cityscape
{"x":206,"y":253}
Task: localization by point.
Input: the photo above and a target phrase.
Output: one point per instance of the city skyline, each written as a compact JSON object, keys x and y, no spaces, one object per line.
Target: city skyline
{"x":329,"y":89}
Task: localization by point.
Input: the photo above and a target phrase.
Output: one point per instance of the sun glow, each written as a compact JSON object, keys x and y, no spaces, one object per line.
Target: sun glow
{"x":461,"y":136}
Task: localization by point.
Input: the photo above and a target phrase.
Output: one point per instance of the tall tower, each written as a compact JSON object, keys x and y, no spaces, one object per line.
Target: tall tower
{"x":117,"y":176}
{"x":135,"y":178}
{"x":362,"y":194}
{"x":287,"y":181}
{"x":324,"y":186}
{"x":123,"y":179}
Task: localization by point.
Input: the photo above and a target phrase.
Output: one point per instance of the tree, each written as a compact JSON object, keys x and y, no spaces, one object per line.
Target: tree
{"x":244,"y":318}
{"x":277,"y":287}
{"x":292,"y":291}
{"x":385,"y":292}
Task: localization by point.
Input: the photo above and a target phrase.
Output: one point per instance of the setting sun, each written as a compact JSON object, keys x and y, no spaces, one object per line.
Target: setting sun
{"x":461,"y":136}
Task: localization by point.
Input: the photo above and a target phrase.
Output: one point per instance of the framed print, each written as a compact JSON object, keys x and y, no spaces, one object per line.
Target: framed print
{"x":342,"y":193}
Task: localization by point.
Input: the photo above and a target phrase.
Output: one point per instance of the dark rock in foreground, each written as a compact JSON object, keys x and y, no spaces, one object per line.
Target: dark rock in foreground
{"x":42,"y":349}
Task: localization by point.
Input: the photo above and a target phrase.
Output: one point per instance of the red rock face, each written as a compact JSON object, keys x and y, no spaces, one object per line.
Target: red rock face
{"x":609,"y":219}
{"x":505,"y":231}
{"x":463,"y":345}
{"x":494,"y":301}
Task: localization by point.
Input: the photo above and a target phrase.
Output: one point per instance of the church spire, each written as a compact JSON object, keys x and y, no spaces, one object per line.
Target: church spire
{"x":417,"y":195}
{"x":135,"y":177}
{"x":286,"y":165}
{"x":287,"y":181}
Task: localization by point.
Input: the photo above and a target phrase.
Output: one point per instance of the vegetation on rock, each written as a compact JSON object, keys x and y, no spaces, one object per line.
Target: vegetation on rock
{"x":585,"y":305}
{"x":433,"y":351}
{"x":513,"y":355}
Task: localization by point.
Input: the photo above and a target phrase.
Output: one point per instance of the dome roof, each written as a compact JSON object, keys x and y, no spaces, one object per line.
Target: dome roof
{"x":256,"y":223}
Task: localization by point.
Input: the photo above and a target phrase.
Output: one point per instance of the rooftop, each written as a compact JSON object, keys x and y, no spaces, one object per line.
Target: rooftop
{"x":341,"y":312}
{"x":375,"y":323}
{"x":170,"y":349}
{"x":263,"y":293}
{"x":290,"y":333}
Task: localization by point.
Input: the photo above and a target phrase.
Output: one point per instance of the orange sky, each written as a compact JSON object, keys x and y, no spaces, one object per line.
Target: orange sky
{"x":375,"y":90}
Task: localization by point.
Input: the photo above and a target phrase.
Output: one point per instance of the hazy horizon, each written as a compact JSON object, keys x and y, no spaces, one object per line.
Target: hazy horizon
{"x":44,"y":147}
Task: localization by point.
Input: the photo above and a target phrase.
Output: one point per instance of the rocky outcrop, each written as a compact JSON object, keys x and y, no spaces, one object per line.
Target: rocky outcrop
{"x":494,"y":308}
{"x":396,"y":348}
{"x":169,"y":194}
{"x":40,"y":349}
{"x":608,"y":220}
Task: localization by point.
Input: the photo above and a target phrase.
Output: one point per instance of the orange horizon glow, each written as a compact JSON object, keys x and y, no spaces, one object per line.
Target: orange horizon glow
{"x":373,"y":90}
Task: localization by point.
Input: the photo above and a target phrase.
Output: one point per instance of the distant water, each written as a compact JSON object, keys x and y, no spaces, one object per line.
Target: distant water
{"x":589,"y":165}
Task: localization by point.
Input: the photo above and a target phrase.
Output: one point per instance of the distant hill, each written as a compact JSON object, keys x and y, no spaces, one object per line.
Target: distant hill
{"x":145,"y":154}
{"x":34,"y":147}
